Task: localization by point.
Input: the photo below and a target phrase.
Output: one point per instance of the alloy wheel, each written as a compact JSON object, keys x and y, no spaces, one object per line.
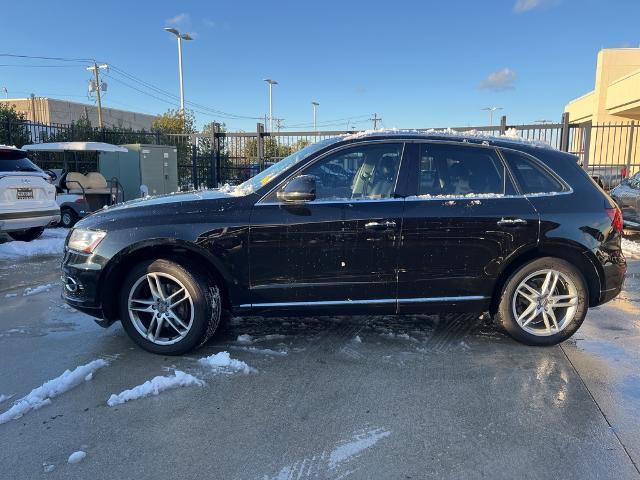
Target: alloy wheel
{"x":160,"y":308}
{"x":545,"y":302}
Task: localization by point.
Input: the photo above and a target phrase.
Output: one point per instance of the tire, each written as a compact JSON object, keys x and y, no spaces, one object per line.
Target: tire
{"x":26,"y":235}
{"x":68,"y":217}
{"x":568,"y":302}
{"x":200,"y":312}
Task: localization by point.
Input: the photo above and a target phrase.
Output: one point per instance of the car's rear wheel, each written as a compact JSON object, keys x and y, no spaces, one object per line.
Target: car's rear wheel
{"x":68,"y":217}
{"x":27,"y":235}
{"x":544,"y":302}
{"x":169,"y":308}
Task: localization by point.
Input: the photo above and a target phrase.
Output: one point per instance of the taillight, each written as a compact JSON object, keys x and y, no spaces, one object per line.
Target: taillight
{"x":615,"y":214}
{"x":79,"y":200}
{"x":623,"y":172}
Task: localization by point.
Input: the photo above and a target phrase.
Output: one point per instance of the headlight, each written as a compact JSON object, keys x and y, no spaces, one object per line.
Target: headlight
{"x":84,"y":240}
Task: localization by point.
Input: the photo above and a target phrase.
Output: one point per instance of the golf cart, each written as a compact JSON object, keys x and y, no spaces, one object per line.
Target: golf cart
{"x":80,"y":194}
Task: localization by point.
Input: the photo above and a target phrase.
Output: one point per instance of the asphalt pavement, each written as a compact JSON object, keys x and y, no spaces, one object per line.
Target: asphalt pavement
{"x":423,"y":396}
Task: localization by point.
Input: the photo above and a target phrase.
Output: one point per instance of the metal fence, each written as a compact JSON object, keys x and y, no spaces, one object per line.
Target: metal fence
{"x":609,"y":152}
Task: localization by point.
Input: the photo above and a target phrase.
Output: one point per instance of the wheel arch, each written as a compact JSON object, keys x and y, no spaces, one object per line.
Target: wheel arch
{"x":579,"y":256}
{"x":180,"y":251}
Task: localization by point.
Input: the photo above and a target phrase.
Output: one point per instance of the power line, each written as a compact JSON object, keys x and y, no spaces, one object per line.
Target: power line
{"x":60,"y":59}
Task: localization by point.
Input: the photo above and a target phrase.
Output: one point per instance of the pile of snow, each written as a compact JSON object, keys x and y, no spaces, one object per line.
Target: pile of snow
{"x":155,"y":386}
{"x":244,"y":338}
{"x":41,"y":396}
{"x":50,"y":243}
{"x":77,"y":457}
{"x":223,"y":363}
{"x":39,"y":289}
{"x":630,"y":248}
{"x":263,"y":351}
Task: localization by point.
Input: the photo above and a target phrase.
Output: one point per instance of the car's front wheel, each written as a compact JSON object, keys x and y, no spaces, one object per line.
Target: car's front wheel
{"x":544,"y":302}
{"x":27,"y":235}
{"x":169,"y":308}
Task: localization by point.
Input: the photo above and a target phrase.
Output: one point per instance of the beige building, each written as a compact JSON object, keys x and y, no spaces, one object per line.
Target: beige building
{"x":50,"y":111}
{"x":610,"y":113}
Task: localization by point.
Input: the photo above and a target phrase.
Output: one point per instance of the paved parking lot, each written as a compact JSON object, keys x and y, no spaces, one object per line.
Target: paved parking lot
{"x":363,"y":397}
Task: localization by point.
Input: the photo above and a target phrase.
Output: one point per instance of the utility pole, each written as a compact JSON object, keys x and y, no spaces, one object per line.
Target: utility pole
{"x":279,"y":122}
{"x":375,"y":119}
{"x":98,"y":88}
{"x":315,"y":107}
{"x":6,"y":92}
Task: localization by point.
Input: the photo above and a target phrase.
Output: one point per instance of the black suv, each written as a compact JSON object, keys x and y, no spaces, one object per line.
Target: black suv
{"x":385,"y":223}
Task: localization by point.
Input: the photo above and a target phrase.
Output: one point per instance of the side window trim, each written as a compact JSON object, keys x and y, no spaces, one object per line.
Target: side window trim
{"x":263,"y":200}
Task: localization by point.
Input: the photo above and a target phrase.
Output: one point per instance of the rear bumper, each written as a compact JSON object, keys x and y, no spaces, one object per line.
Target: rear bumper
{"x":613,"y":279}
{"x":14,"y":221}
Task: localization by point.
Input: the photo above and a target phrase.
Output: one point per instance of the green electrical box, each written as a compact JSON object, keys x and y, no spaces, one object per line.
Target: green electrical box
{"x":154,"y":166}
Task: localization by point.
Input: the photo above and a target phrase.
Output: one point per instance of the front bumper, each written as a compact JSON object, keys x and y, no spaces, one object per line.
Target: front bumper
{"x":80,"y":277}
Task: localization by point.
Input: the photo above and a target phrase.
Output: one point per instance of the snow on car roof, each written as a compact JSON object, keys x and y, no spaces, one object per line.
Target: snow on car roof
{"x":74,"y":147}
{"x":9,"y":147}
{"x":511,"y":136}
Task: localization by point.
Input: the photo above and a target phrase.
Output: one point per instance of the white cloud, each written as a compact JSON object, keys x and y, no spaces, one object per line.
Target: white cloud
{"x":499,"y":81}
{"x":525,"y":5}
{"x":179,"y":19}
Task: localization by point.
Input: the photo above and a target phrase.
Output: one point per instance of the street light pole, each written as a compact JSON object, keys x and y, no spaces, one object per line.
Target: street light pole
{"x":271,"y":83}
{"x":315,"y":106}
{"x":180,"y":37}
{"x":491,"y":110}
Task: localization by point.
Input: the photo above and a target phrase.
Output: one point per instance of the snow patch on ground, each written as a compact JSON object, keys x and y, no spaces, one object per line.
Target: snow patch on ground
{"x":11,"y":295}
{"x":41,"y":396}
{"x":155,"y":386}
{"x":630,"y":248}
{"x":50,"y":243}
{"x":77,"y":457}
{"x":334,"y":463}
{"x":359,"y":443}
{"x":244,"y":338}
{"x":223,"y":363}
{"x":4,"y":398}
{"x":263,"y":351}
{"x":39,"y":289}
{"x":399,"y":336}
{"x":357,"y":339}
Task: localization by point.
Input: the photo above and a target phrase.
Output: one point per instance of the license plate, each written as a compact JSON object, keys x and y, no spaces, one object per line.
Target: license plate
{"x":25,"y":194}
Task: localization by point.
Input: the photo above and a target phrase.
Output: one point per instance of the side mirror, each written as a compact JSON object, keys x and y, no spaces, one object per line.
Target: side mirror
{"x":300,"y":189}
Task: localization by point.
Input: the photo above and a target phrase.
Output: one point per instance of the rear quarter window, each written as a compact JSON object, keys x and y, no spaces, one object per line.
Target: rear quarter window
{"x":530,"y":175}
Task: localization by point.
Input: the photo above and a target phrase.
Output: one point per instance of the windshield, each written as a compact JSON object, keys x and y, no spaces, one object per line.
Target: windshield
{"x":261,"y":179}
{"x":15,"y":161}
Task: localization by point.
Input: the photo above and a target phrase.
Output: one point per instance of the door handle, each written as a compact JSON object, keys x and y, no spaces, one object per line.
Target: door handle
{"x":387,"y":225}
{"x":511,"y":222}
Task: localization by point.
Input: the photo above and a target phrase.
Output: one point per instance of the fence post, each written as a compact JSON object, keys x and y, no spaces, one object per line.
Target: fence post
{"x":194,"y":162}
{"x":503,"y":124}
{"x":632,"y":129}
{"x":260,"y":142}
{"x":586,"y":139}
{"x":215,"y":155}
{"x":564,"y":138}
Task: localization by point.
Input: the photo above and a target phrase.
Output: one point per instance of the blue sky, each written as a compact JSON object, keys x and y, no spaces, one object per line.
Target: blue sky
{"x":417,"y":64}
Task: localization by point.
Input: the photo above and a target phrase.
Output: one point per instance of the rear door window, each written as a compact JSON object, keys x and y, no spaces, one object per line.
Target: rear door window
{"x":451,"y":170}
{"x":532,"y":177}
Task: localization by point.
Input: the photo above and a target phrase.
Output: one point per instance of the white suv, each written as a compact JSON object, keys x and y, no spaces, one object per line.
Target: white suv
{"x":27,"y":197}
